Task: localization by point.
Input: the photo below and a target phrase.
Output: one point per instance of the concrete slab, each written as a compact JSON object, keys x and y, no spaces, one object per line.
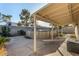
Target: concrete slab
{"x":54,"y":54}
{"x":19,"y":46}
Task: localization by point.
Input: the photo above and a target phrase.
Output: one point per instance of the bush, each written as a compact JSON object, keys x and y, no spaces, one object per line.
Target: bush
{"x":22,"y":32}
{"x":5,"y":31}
{"x":3,"y":40}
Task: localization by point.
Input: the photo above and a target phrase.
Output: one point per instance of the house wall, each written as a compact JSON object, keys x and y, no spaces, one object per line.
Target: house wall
{"x":40,"y":34}
{"x":29,"y":32}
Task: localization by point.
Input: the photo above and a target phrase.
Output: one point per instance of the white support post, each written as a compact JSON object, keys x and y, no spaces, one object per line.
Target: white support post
{"x":35,"y":34}
{"x":52,"y":33}
{"x":58,"y":31}
{"x":76,"y":32}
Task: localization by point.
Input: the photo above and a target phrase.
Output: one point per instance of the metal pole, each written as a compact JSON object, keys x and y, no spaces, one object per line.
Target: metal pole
{"x":35,"y":34}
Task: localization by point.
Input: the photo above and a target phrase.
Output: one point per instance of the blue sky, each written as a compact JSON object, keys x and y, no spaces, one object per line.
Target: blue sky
{"x":14,"y":9}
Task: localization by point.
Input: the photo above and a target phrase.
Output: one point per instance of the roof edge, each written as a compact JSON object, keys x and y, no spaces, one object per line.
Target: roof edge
{"x":41,"y":9}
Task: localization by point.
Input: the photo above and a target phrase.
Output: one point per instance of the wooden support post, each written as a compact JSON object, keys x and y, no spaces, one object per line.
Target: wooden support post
{"x":76,"y":32}
{"x":52,"y":33}
{"x":58,"y":31}
{"x":35,"y":48}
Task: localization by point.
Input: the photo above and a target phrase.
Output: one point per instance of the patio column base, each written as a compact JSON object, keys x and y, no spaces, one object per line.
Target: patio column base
{"x":76,"y":32}
{"x":35,"y":53}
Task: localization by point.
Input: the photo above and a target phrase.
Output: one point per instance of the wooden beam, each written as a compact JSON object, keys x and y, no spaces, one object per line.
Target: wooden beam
{"x":41,"y":8}
{"x":47,"y":12}
{"x":58,"y":14}
{"x":75,"y":12}
{"x":70,"y":11}
{"x":52,"y":33}
{"x":42,"y":18}
{"x":52,"y":20}
{"x":45,"y":19}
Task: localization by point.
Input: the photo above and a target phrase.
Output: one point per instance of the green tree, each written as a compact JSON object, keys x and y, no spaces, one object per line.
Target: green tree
{"x":6,"y":17}
{"x":19,"y":24}
{"x":25,"y":15}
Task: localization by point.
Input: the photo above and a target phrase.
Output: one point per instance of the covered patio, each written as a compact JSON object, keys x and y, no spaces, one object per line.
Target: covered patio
{"x":59,"y":14}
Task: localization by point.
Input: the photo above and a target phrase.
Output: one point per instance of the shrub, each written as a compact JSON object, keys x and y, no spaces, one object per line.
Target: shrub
{"x":3,"y":40}
{"x":5,"y":31}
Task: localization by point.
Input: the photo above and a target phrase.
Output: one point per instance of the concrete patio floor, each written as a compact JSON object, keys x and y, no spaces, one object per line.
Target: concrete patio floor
{"x":20,"y":46}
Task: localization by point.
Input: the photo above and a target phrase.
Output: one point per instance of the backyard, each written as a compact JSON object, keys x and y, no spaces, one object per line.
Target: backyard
{"x":52,"y":30}
{"x":20,"y":46}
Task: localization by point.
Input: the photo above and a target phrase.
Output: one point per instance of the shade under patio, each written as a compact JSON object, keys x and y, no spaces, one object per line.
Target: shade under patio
{"x":60,"y":14}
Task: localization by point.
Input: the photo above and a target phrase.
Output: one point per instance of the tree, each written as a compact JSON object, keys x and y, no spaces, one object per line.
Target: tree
{"x":6,"y":17}
{"x":25,"y":15}
{"x":22,"y":22}
{"x":19,"y":24}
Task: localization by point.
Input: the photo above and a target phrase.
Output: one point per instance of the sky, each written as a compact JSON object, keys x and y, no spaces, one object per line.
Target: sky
{"x":14,"y":9}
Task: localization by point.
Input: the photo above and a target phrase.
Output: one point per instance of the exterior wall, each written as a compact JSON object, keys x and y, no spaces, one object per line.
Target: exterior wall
{"x":40,"y":35}
{"x":14,"y":29}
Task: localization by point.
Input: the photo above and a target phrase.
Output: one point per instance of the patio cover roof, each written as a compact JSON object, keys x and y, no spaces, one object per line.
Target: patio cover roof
{"x":59,"y":13}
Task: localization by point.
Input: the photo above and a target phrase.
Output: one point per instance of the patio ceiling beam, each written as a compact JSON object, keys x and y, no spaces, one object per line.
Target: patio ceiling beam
{"x":46,"y":19}
{"x":42,"y":18}
{"x":70,"y":11}
{"x":52,"y":12}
